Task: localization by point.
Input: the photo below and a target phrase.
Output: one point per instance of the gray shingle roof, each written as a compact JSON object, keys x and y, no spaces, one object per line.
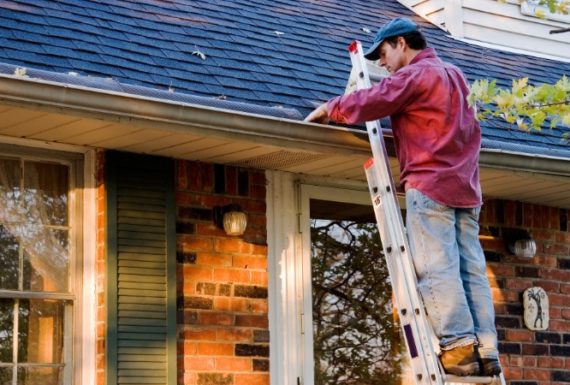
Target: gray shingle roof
{"x":269,"y":53}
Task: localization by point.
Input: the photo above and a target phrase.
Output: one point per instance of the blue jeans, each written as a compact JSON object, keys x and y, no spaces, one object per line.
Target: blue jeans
{"x":450,"y":266}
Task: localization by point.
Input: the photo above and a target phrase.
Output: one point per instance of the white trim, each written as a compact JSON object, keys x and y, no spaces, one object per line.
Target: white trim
{"x":289,"y":268}
{"x":510,"y":49}
{"x":284,"y":330}
{"x":84,"y":361}
{"x":89,"y":308}
{"x":308,"y":192}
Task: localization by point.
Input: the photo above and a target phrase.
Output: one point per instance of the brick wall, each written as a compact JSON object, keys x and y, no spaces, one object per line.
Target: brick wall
{"x":222,"y":281}
{"x":530,"y":357}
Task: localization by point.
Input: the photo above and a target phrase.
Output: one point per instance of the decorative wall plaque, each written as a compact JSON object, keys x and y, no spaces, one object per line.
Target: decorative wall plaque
{"x":536,"y":308}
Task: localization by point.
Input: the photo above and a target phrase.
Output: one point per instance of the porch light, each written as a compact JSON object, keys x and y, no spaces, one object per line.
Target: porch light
{"x":520,"y":243}
{"x":231,"y":218}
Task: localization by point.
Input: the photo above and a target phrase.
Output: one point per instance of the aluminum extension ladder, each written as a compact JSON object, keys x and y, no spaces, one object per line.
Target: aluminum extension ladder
{"x":420,"y":339}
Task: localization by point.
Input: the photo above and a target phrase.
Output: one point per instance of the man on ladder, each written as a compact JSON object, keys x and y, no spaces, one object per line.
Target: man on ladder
{"x":437,"y":141}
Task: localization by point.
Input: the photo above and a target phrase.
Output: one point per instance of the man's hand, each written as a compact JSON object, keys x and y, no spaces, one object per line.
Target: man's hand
{"x":319,"y":115}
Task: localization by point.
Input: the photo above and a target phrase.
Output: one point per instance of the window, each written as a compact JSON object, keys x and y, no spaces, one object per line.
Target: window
{"x":37,"y":262}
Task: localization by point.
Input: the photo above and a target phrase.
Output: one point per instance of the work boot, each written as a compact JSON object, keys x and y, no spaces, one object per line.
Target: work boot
{"x":460,"y":361}
{"x":490,"y":367}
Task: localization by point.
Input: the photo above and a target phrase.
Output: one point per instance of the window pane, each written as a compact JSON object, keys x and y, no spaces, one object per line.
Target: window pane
{"x":6,"y":330}
{"x":46,"y":263}
{"x":355,"y":336}
{"x":40,"y":331}
{"x":40,"y":375}
{"x":9,"y":260}
{"x":6,"y":375}
{"x":46,"y":185}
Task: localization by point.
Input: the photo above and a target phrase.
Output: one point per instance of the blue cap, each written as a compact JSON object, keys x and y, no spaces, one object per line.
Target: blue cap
{"x":397,"y":27}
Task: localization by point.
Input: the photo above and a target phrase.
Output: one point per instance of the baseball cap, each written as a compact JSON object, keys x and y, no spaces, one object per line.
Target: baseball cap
{"x":396,"y":27}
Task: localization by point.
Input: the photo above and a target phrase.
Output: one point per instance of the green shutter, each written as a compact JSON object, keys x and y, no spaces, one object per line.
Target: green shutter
{"x":141,"y":270}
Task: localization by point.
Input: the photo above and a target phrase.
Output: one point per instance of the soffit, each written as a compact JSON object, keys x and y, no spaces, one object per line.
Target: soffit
{"x":47,"y":126}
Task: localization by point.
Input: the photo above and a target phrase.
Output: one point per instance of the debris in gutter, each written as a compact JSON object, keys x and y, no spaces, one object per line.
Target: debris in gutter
{"x":279,"y":33}
{"x":366,"y":30}
{"x":21,"y":72}
{"x":560,"y":30}
{"x":221,"y":97}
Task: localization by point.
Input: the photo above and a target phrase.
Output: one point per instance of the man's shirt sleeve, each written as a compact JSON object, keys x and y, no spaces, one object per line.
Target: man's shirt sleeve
{"x":388,"y":97}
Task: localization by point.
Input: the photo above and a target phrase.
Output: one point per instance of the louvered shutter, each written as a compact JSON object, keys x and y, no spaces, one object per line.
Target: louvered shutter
{"x":141,"y":273}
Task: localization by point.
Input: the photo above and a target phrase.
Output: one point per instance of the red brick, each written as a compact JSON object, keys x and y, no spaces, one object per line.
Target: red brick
{"x":234,"y":364}
{"x":559,"y":326}
{"x":250,"y":262}
{"x":555,"y":313}
{"x":565,"y":288}
{"x":529,"y":361}
{"x":213,"y":259}
{"x":215,"y":349}
{"x":555,"y":249}
{"x":199,"y":334}
{"x":199,"y":363}
{"x":188,"y":378}
{"x":222,"y":303}
{"x":193,"y":243}
{"x":563,"y":237}
{"x":548,"y":261}
{"x":518,"y":283}
{"x":232,"y":275}
{"x":555,"y":274}
{"x":548,"y":286}
{"x":537,"y":374}
{"x":234,"y":335}
{"x":528,"y":215}
{"x":565,"y":314}
{"x":510,"y":213}
{"x":215,"y":318}
{"x":259,"y":321}
{"x":231,"y":180}
{"x":189,"y":348}
{"x":209,"y":229}
{"x":232,"y":245}
{"x":513,"y":373}
{"x":503,"y":270}
{"x":558,"y":299}
{"x":251,"y":379}
{"x":519,"y":335}
{"x":185,"y":198}
{"x":257,"y":191}
{"x":198,"y":273}
{"x":516,"y":361}
{"x":259,"y":278}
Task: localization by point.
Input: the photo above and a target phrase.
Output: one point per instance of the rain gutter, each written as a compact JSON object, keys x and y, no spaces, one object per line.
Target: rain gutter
{"x":171,"y":116}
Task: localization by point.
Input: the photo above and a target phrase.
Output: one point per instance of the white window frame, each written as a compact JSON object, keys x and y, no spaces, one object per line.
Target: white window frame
{"x":289,"y":268}
{"x":83,"y":197}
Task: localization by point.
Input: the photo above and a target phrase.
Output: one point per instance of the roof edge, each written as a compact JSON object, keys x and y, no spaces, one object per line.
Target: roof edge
{"x":179,"y":117}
